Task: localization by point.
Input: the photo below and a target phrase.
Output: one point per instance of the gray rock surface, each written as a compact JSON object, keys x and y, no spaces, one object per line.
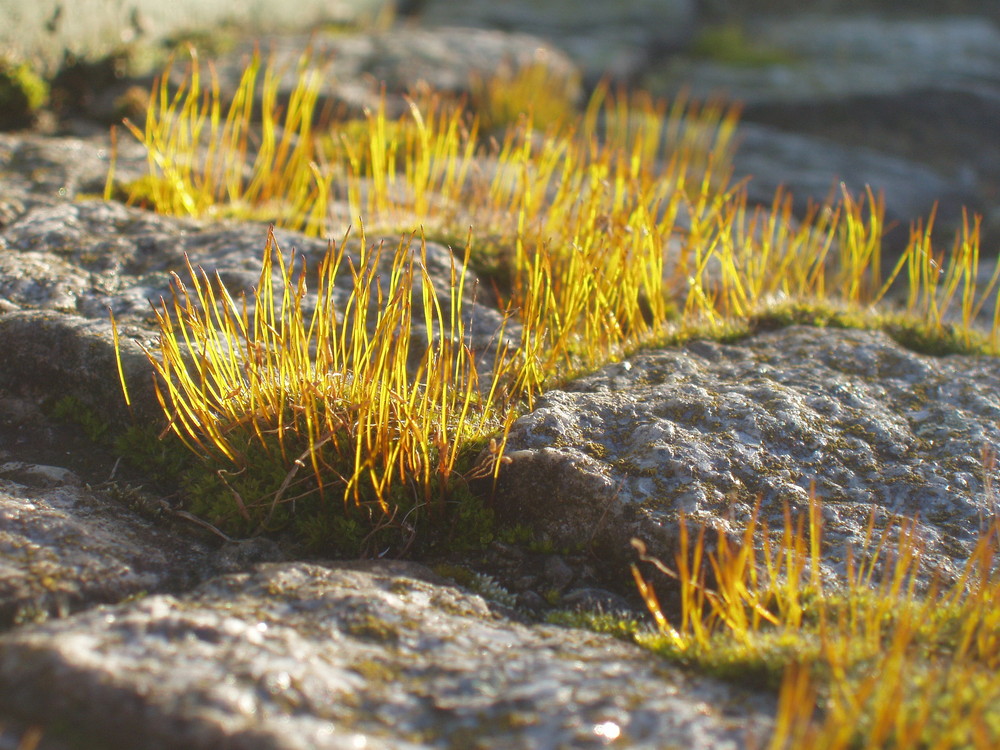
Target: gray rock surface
{"x":813,"y":169}
{"x":379,"y":655}
{"x":708,"y":429}
{"x":616,"y":39}
{"x":64,"y":547}
{"x":832,"y":57}
{"x":913,"y":102}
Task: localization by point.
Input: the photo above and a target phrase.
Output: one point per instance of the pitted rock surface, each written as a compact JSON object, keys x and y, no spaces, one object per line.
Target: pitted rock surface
{"x":64,"y":547}
{"x":91,"y":258}
{"x":378,"y":655}
{"x":44,"y":170}
{"x":706,"y":429}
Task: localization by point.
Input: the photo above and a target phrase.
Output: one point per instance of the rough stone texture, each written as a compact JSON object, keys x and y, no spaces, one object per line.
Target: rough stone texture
{"x":63,"y":547}
{"x":707,"y":429}
{"x":91,"y":257}
{"x":63,"y":355}
{"x":374,"y":655}
{"x":41,"y":170}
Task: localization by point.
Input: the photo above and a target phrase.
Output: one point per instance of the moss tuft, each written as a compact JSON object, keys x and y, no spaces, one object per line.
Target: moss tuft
{"x":22,"y":94}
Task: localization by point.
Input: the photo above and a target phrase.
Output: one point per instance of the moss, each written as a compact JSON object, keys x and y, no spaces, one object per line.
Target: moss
{"x":623,"y":628}
{"x":552,"y":597}
{"x":308,"y":520}
{"x":479,"y":583}
{"x":516,"y":534}
{"x":492,"y":258}
{"x":760,"y":663}
{"x":72,"y":410}
{"x":909,"y":332}
{"x":814,"y":313}
{"x":505,"y":99}
{"x":131,"y":104}
{"x":460,"y":574}
{"x":22,"y":94}
{"x":937,"y":341}
{"x":729,"y":44}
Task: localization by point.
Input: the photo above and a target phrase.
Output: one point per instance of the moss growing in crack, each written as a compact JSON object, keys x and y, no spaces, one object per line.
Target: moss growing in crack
{"x":817,"y":313}
{"x":240,"y":503}
{"x":580,"y":219}
{"x":888,"y":665}
{"x":908,"y":331}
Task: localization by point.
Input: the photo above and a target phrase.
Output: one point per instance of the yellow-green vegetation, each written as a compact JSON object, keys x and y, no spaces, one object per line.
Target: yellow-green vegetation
{"x":869,"y":661}
{"x":509,"y":95}
{"x":616,"y":230}
{"x":22,"y":93}
{"x":338,"y":393}
{"x":599,"y":234}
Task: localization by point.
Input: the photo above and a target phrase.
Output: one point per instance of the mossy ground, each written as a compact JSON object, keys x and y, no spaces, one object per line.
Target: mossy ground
{"x":740,"y":270}
{"x":864,"y":662}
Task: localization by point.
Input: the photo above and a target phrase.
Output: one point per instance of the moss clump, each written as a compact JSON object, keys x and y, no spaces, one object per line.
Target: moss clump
{"x":869,"y":662}
{"x":818,"y":314}
{"x":72,"y":410}
{"x":240,"y":502}
{"x":936,"y":340}
{"x":22,"y":94}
